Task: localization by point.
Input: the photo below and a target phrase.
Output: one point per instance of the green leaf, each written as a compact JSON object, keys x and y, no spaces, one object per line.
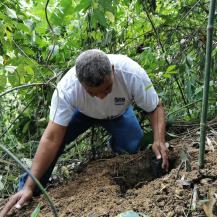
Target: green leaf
{"x":28,"y":51}
{"x":110,"y":16}
{"x":11,"y":13}
{"x":26,"y":127}
{"x":13,"y":79}
{"x":9,"y":36}
{"x":3,"y":81}
{"x":166,"y":75}
{"x":83,"y":5}
{"x":37,"y":210}
{"x":171,"y":68}
{"x":95,"y":5}
{"x":107,"y":5}
{"x":99,"y":16}
{"x":29,"y":70}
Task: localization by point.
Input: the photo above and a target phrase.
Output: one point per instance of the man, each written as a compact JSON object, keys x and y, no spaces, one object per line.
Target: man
{"x":99,"y":90}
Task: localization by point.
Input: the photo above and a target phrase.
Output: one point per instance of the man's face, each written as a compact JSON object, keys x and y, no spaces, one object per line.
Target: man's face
{"x":102,"y":90}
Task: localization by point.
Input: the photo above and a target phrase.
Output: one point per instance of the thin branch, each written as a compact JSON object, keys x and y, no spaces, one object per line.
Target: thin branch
{"x":163,"y":50}
{"x":12,"y":123}
{"x":53,"y":35}
{"x":155,"y":30}
{"x":32,"y":85}
{"x":181,"y":20}
{"x":23,"y":52}
{"x":23,"y":87}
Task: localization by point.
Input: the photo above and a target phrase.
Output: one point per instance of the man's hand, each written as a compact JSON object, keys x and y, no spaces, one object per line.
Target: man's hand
{"x":158,"y":124}
{"x":161,"y":151}
{"x":17,"y":201}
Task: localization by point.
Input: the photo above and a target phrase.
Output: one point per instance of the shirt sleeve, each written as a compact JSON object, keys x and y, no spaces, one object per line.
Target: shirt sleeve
{"x":142,"y":89}
{"x":61,"y":110}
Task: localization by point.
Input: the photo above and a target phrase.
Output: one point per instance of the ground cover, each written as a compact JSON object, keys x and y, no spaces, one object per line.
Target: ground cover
{"x":110,"y":186}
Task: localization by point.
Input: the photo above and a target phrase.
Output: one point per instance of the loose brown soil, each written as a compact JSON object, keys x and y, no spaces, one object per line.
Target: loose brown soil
{"x":107,"y":187}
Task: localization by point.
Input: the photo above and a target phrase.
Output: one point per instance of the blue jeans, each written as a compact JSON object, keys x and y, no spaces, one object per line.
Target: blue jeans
{"x":125,"y":131}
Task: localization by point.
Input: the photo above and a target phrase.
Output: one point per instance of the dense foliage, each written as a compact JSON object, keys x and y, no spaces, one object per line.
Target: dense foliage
{"x":40,"y":40}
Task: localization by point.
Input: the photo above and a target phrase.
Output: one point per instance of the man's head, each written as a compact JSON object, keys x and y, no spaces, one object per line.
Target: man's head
{"x":95,"y":72}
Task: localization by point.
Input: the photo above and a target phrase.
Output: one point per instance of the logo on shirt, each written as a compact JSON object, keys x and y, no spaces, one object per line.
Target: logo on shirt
{"x":119,"y":100}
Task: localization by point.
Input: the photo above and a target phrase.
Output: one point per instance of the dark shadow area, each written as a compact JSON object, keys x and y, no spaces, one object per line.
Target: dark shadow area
{"x":139,"y":171}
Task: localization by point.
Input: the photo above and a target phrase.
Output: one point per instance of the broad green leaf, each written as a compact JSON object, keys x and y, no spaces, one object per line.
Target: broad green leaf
{"x":23,"y":28}
{"x":95,"y":5}
{"x":107,"y":5}
{"x":171,"y":68}
{"x":11,"y":13}
{"x":110,"y":16}
{"x":11,"y":177}
{"x":26,"y":127}
{"x":99,"y":16}
{"x":28,"y":51}
{"x":166,"y":75}
{"x":9,"y":36}
{"x":83,"y":5}
{"x":29,"y":70}
{"x":63,"y":14}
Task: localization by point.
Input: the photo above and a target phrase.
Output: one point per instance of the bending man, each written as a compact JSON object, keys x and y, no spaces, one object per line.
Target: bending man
{"x":99,"y":90}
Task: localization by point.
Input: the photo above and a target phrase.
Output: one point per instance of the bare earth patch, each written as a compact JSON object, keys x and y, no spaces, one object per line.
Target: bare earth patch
{"x":107,"y":187}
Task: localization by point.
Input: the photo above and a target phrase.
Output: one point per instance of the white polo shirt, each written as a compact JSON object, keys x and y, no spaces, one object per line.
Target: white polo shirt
{"x":131,"y":83}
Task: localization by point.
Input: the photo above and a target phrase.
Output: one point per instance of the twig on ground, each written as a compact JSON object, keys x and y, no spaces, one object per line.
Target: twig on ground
{"x":195,"y":197}
{"x":179,"y":169}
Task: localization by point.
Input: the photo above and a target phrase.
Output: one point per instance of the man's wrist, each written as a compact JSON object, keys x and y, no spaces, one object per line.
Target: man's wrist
{"x":30,"y":184}
{"x":157,"y":142}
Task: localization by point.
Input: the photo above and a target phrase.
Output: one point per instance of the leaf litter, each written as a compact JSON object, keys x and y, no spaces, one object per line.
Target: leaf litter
{"x":95,"y":191}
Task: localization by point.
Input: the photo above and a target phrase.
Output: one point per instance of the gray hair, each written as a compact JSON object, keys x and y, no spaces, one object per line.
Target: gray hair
{"x":92,"y":66}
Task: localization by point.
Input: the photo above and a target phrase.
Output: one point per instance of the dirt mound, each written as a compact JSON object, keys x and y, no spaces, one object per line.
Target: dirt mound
{"x":107,"y":187}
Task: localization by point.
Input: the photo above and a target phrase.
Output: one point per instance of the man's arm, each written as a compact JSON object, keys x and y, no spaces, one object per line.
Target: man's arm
{"x":49,"y":145}
{"x":158,"y":124}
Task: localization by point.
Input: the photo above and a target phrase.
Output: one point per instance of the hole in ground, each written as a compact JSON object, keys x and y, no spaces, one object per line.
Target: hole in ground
{"x":137,"y":170}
